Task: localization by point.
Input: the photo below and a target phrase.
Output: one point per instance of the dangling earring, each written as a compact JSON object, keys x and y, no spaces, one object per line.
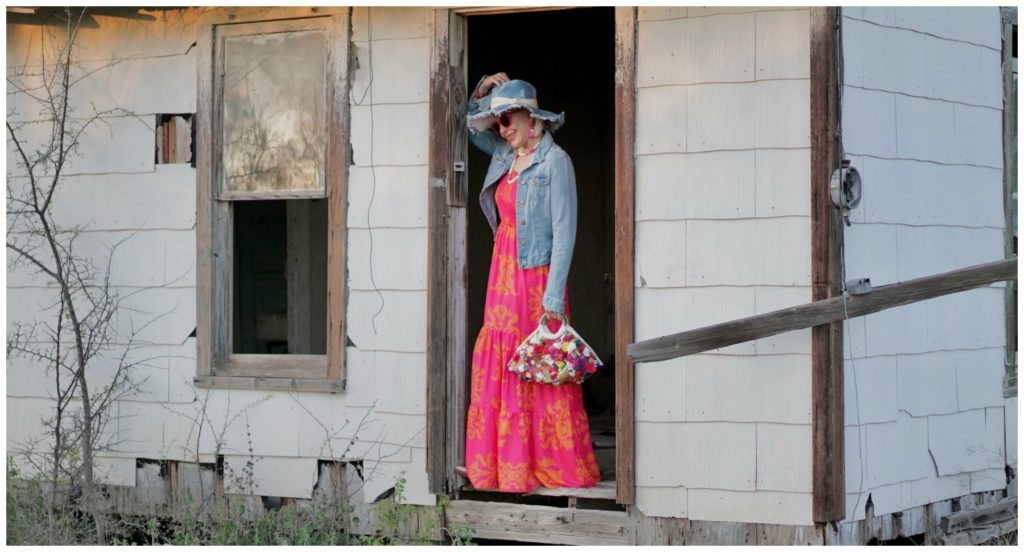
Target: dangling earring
{"x":533,"y":133}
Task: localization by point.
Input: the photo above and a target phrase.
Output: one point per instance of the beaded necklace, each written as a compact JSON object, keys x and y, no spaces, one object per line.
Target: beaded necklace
{"x":513,"y":175}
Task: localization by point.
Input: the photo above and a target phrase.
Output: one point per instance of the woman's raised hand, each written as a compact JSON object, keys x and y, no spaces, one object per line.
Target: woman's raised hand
{"x":496,"y":79}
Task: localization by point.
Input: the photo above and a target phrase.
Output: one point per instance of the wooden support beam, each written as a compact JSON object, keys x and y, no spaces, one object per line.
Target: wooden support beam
{"x":828,"y":477}
{"x":821,"y":312}
{"x":625,"y":217}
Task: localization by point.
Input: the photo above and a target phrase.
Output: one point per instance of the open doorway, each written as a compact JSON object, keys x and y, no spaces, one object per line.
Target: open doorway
{"x":569,"y":55}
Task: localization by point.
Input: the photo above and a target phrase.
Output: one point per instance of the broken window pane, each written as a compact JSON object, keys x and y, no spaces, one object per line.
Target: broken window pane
{"x":274,"y":107}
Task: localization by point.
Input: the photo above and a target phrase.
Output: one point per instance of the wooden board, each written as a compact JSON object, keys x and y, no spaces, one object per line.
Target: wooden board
{"x":822,"y":312}
{"x":458,"y":256}
{"x":438,"y":463}
{"x":654,"y":530}
{"x":204,"y":210}
{"x":338,"y":155}
{"x":543,"y":524}
{"x":828,"y":477}
{"x":1009,"y":20}
{"x":625,"y":197}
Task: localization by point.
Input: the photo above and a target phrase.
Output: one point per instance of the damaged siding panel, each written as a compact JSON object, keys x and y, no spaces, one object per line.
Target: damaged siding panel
{"x":109,"y":145}
{"x":968,"y":441}
{"x":141,"y":258}
{"x":393,"y":83}
{"x":270,"y":476}
{"x":155,"y":83}
{"x":129,"y":201}
{"x":159,"y":32}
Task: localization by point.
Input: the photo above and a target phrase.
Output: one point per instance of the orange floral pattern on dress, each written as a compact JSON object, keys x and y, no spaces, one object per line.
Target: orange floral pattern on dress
{"x":524,"y":394}
{"x":475,"y":424}
{"x":500,"y":318}
{"x":505,"y":283}
{"x":482,"y":471}
{"x":479,"y":384}
{"x":530,"y":434}
{"x":504,"y":427}
{"x":514,"y":475}
{"x":586,"y":468}
{"x":556,"y":431}
{"x":549,"y":473}
{"x":535,"y":300}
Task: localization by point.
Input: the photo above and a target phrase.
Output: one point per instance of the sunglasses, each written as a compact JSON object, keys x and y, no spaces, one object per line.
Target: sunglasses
{"x":504,"y":120}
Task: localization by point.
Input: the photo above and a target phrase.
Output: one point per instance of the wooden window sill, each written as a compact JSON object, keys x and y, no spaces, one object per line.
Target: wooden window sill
{"x":276,"y":384}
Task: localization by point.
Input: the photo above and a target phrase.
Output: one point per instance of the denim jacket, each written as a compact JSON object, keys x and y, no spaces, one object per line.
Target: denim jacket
{"x":545,"y":206}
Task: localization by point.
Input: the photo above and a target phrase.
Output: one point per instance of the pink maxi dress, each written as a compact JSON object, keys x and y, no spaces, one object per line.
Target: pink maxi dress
{"x":521,"y":435}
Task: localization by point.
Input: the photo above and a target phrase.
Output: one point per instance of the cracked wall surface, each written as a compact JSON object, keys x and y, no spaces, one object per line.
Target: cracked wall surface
{"x":147,"y":65}
{"x":922,"y":122}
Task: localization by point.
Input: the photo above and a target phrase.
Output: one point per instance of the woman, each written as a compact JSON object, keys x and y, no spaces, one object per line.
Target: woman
{"x":521,"y":435}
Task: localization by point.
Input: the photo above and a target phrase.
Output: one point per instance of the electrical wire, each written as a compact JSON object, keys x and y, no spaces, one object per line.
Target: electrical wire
{"x":373,"y":172}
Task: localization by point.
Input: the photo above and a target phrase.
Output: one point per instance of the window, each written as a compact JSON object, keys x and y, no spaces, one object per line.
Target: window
{"x":271,"y":149}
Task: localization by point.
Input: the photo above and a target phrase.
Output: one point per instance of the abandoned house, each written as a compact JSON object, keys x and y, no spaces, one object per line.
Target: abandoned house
{"x":313,"y":318}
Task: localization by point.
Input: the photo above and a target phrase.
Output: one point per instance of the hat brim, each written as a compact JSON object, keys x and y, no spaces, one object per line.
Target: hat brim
{"x":485,"y":119}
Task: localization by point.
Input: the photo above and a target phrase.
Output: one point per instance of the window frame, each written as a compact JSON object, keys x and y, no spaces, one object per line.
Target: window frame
{"x":216,"y":365}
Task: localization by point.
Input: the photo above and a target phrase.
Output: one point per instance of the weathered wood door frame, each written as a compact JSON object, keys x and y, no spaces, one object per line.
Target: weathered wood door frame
{"x":447,"y":329}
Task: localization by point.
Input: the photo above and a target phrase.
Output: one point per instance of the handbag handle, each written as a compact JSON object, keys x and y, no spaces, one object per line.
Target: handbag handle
{"x":543,"y":327}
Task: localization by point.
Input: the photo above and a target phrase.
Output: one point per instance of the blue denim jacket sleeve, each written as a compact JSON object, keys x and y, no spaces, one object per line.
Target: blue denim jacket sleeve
{"x":486,"y":140}
{"x":563,"y":230}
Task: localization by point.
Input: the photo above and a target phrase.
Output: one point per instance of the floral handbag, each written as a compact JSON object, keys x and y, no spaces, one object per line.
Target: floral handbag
{"x":554,"y":358}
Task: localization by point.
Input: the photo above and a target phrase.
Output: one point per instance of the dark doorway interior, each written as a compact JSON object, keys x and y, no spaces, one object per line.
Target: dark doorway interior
{"x":569,"y":55}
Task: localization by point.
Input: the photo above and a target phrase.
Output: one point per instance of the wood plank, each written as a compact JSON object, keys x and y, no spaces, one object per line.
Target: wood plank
{"x":269,"y":384}
{"x":544,"y":524}
{"x":1009,"y":19}
{"x":981,"y":517}
{"x":722,"y":533}
{"x":458,"y":256}
{"x":204,"y":214}
{"x":338,"y":154}
{"x":980,"y":535}
{"x":229,"y":195}
{"x":221,"y":227}
{"x":659,"y":531}
{"x":438,"y":465}
{"x":625,"y":244}
{"x":276,"y":366}
{"x":297,"y":267}
{"x":604,"y":490}
{"x":822,"y":312}
{"x":828,"y":479}
{"x":789,"y":535}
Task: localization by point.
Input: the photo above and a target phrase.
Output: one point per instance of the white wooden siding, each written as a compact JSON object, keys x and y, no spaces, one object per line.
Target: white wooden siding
{"x":388,"y":350}
{"x":723,"y":232}
{"x":398,"y":197}
{"x":115,"y":190}
{"x":922,"y":116}
{"x":270,"y":476}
